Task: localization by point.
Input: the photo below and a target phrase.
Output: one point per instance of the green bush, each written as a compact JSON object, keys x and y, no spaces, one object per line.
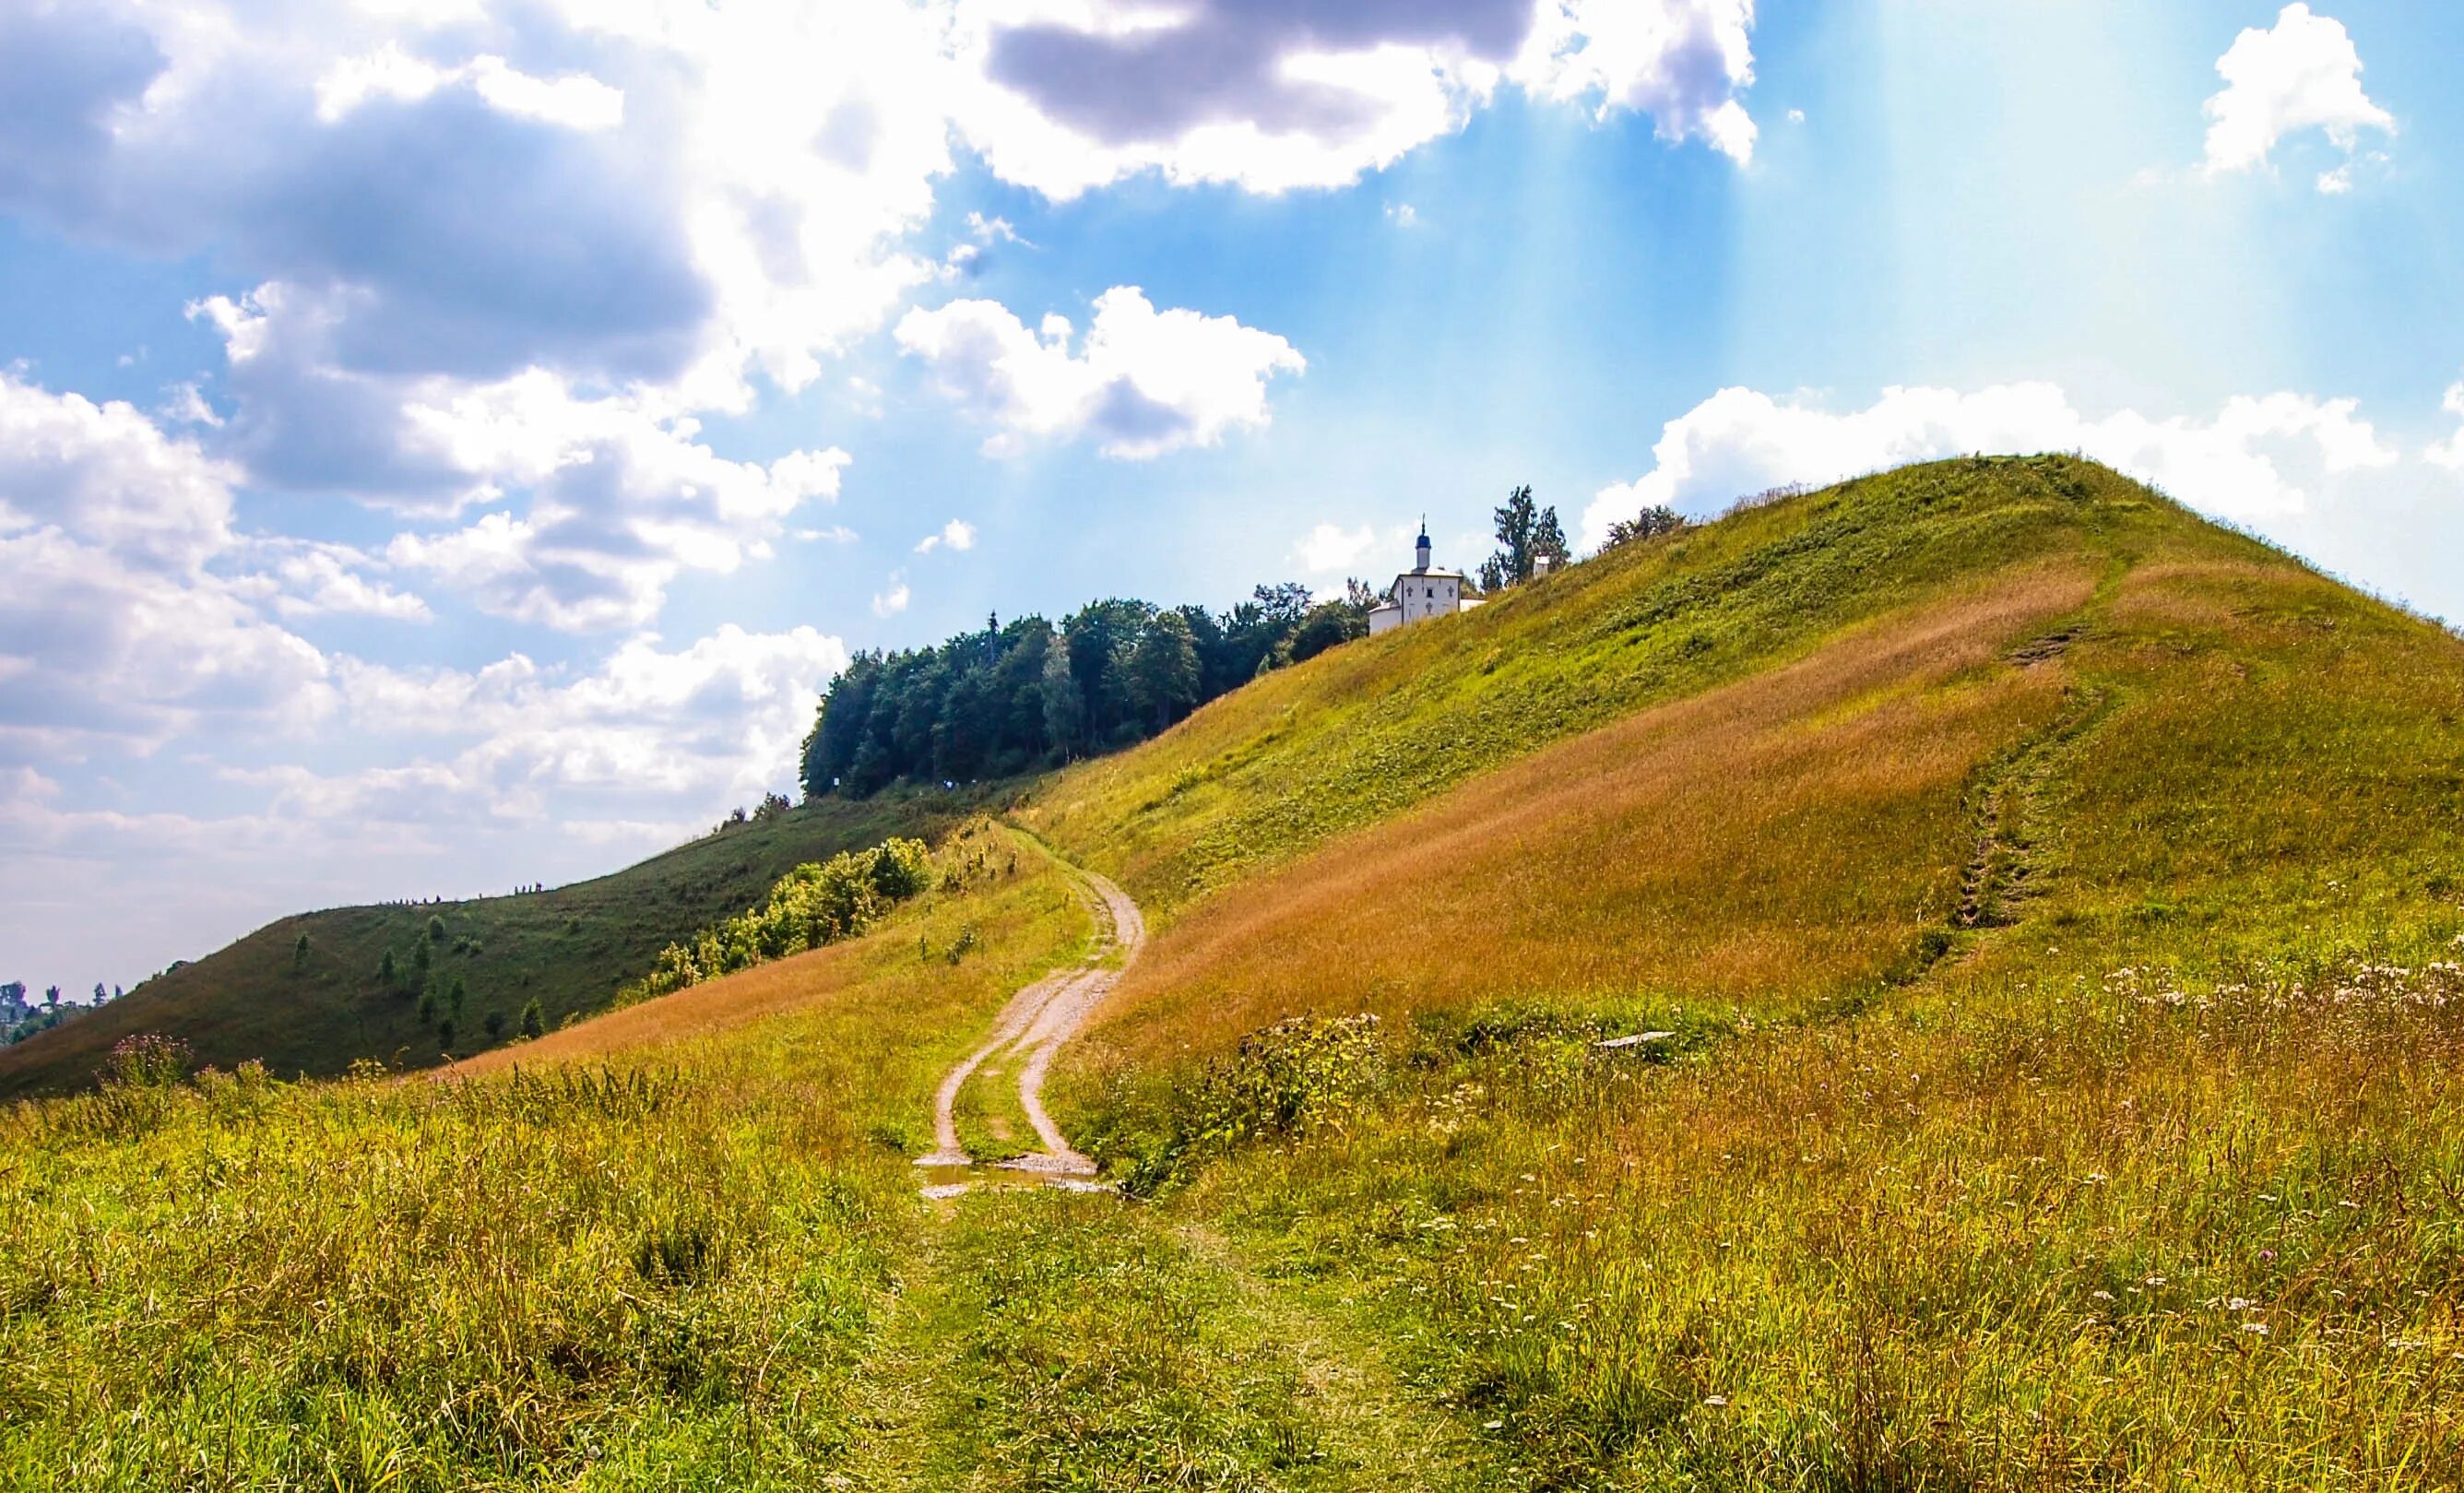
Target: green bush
{"x":817,"y":903}
{"x":1294,"y":1078}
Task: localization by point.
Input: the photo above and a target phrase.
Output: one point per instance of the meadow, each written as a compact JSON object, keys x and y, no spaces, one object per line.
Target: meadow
{"x":2032,"y":923}
{"x":652,"y":1252}
{"x":2060,"y":976}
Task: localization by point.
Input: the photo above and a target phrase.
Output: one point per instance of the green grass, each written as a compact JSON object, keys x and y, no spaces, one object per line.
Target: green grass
{"x":2057,"y":904}
{"x":2065,"y":1089}
{"x":569,"y":949}
{"x":655,"y":1268}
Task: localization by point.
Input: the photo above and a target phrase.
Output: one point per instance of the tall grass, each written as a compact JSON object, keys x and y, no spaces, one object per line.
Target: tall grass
{"x":621,"y":1266}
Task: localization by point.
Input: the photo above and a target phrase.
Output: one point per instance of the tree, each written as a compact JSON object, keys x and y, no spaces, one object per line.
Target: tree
{"x":1549,"y":542}
{"x":387,"y":975}
{"x":1327,"y":625}
{"x":532,"y":1023}
{"x":1163,"y":669}
{"x":1527,"y":533}
{"x":455,"y":995}
{"x":445,"y":1036}
{"x":1064,"y":704}
{"x":427,"y":1011}
{"x":436,"y":927}
{"x":496,"y":1025}
{"x":419,"y":959}
{"x":1360,"y":594}
{"x":1517,"y":519}
{"x":300,"y":954}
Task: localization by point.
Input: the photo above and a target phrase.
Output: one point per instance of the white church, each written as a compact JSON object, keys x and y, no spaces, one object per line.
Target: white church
{"x":1421,"y":593}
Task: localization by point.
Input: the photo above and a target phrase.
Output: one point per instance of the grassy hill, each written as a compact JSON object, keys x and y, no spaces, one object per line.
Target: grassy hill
{"x":569,"y":949}
{"x":1795,"y":756}
{"x":2042,"y":917}
{"x":2052,"y":908}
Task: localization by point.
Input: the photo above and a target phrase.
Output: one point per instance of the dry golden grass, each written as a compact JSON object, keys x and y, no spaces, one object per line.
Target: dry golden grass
{"x":892,"y":964}
{"x":719,"y":1005}
{"x":1771,"y":843}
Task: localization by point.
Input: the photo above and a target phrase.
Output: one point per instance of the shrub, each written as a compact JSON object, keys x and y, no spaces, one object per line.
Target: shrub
{"x":815,"y":904}
{"x":534,"y":1024}
{"x":1293,"y":1078}
{"x":147,"y":1061}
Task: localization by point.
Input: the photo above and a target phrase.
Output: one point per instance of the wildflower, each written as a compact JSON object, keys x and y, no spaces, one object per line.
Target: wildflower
{"x":1716,"y":1401}
{"x":2260,"y":1327}
{"x":2103,"y":1295}
{"x":2267,"y":1254}
{"x":1492,"y":1425}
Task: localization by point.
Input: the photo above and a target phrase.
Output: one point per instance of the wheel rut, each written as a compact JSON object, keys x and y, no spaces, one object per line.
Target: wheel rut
{"x":1033,"y":1027}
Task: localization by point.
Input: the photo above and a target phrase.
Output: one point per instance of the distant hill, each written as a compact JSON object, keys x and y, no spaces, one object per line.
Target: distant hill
{"x":568,"y":948}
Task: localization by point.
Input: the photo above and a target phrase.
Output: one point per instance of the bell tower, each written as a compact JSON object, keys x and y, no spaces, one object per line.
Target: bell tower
{"x":1421,"y":550}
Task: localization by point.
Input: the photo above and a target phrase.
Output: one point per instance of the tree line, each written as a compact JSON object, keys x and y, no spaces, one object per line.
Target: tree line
{"x":1024,"y":695}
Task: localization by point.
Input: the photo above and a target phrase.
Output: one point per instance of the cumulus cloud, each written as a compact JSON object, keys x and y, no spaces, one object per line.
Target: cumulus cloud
{"x":718,"y":718}
{"x":2450,"y":453}
{"x":1271,"y":96}
{"x":619,"y":498}
{"x":2305,"y":73}
{"x":1142,"y":384}
{"x":957,"y":534}
{"x":2257,"y":459}
{"x":1683,"y":62}
{"x":113,"y":628}
{"x":893,"y":601}
{"x":1274,"y":97}
{"x":1326,"y":549}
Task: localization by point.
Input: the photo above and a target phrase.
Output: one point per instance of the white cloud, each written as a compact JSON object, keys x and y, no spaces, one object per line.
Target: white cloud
{"x":301,"y":578}
{"x":621,"y":497}
{"x":575,"y":100}
{"x":2450,"y":453}
{"x":1070,"y":94}
{"x":1144,"y":381}
{"x":1683,"y":62}
{"x":2303,"y":73}
{"x":957,"y":534}
{"x":893,"y":601}
{"x":1402,"y":214}
{"x":113,"y":628}
{"x":1326,"y":550}
{"x":2257,"y":459}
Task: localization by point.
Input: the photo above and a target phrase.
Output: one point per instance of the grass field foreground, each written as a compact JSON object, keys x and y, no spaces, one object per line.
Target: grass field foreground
{"x":650,"y":1251}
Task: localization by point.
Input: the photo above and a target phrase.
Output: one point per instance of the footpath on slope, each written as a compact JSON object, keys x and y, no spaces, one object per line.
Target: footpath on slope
{"x":1035,"y":1024}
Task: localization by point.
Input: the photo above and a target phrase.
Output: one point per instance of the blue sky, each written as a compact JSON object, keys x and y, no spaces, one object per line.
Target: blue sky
{"x":446,"y":444}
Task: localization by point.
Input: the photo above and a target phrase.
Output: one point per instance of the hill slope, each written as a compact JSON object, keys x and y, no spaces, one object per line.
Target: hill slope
{"x":2032,"y":920}
{"x":569,"y":949}
{"x":1790,"y":756}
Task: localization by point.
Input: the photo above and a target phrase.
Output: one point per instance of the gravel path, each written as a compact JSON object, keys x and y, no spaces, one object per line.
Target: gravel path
{"x":1037,"y":1022}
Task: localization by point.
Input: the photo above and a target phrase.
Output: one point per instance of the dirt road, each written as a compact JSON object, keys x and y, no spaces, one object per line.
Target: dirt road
{"x":1035,"y":1024}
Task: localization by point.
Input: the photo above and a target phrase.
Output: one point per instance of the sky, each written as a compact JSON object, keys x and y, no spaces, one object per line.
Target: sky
{"x":446,"y":445}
